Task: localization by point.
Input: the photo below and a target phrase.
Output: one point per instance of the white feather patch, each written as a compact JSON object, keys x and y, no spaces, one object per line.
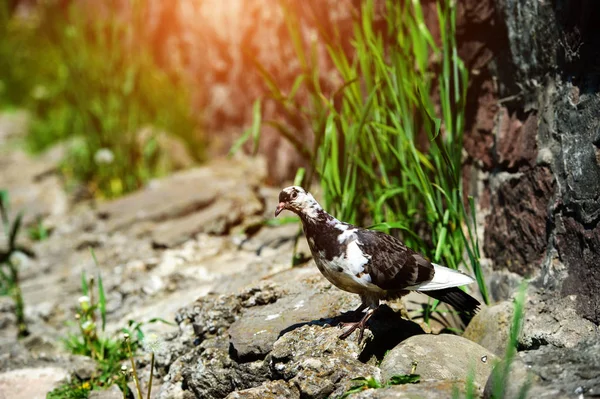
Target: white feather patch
{"x":355,"y":258}
{"x":341,"y":226}
{"x":311,"y":211}
{"x":342,"y":271}
{"x":346,"y":235}
{"x":444,"y":278}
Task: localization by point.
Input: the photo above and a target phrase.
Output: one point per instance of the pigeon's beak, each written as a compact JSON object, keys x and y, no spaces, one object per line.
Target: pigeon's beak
{"x":280,"y":208}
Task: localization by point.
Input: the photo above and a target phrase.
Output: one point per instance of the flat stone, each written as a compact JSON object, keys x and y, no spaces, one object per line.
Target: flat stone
{"x":231,"y":207}
{"x":253,"y":334}
{"x":31,"y":383}
{"x":278,"y":389}
{"x":171,"y":210}
{"x":179,"y":194}
{"x":440,"y":357}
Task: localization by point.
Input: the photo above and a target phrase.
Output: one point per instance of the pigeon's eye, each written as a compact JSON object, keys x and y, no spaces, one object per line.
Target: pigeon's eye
{"x":294,"y":195}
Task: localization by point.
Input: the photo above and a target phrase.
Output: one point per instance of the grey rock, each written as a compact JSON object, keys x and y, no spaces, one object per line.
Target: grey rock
{"x":170,"y":390}
{"x":213,"y":314}
{"x":269,"y":390}
{"x":207,"y":369}
{"x":113,"y":392}
{"x":31,"y":383}
{"x":491,"y":326}
{"x":13,"y":355}
{"x":7,"y":320}
{"x":209,"y":372}
{"x":262,"y":294}
{"x":174,"y":346}
{"x":502,"y":284}
{"x":426,"y":389}
{"x":317,"y":362}
{"x":554,"y":321}
{"x":533,"y":49}
{"x":440,"y":357}
{"x":518,"y":381}
{"x":253,"y":335}
{"x":38,"y":343}
{"x":572,"y":371}
{"x":541,"y":392}
{"x":84,"y":367}
{"x":568,"y":128}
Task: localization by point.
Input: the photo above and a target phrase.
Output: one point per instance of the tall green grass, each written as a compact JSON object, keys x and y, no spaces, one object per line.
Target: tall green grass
{"x":10,"y":282}
{"x":501,"y":374}
{"x":89,"y":75}
{"x":387,"y":145}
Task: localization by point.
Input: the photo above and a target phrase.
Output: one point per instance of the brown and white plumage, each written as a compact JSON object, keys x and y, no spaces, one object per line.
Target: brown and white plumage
{"x":370,"y":263}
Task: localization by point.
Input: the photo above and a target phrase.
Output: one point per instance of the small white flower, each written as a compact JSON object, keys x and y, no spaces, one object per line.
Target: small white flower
{"x":19,"y":259}
{"x":88,"y":326}
{"x":152,"y":343}
{"x":104,"y":156}
{"x":84,"y":302}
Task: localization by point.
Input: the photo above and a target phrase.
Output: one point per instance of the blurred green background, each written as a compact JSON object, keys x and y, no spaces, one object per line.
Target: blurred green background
{"x":88,"y":79}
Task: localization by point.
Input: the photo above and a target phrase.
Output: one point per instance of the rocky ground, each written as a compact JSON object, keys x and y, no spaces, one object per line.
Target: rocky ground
{"x":190,"y":249}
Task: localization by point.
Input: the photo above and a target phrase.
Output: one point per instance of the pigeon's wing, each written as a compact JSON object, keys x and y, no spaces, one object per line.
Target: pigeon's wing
{"x":392,"y":265}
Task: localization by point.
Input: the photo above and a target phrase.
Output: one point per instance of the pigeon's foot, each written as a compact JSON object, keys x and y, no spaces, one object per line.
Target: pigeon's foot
{"x":359,"y":324}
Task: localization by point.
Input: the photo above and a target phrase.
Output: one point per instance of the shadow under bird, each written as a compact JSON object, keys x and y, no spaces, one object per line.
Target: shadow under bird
{"x":371,"y":263}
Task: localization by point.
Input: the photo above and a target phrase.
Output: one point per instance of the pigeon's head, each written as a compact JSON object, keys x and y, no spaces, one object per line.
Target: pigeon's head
{"x":297,"y":200}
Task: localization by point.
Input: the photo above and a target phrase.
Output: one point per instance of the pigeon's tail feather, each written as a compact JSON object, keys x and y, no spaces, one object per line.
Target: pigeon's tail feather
{"x":459,"y":300}
{"x":444,"y":277}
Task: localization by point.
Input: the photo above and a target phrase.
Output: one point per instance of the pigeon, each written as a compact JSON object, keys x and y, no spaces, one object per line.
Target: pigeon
{"x":372,"y":264}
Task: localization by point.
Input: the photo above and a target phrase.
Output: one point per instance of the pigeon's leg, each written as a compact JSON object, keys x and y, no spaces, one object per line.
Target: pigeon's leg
{"x":362,"y":307}
{"x":355,"y":314}
{"x":359,"y":324}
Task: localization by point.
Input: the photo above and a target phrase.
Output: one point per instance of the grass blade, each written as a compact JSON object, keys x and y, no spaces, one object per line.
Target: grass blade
{"x":101,"y":301}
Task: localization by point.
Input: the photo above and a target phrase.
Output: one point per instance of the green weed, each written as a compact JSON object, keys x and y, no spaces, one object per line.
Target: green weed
{"x":9,"y":267}
{"x":77,"y":389}
{"x":363,"y":383}
{"x":38,"y":232}
{"x":501,"y":372}
{"x":382,"y":155}
{"x":110,"y":353}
